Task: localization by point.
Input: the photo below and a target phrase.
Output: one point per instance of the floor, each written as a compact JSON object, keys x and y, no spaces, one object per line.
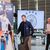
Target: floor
{"x":38,"y":45}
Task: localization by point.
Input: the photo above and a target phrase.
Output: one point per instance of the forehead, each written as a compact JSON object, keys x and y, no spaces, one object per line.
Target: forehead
{"x":23,"y":17}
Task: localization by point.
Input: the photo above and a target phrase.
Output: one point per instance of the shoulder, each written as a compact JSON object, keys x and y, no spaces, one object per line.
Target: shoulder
{"x":21,"y":23}
{"x":48,"y":24}
{"x":28,"y":22}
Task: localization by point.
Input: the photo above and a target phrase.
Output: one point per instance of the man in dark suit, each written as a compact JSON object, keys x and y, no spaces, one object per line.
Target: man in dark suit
{"x":26,"y":30}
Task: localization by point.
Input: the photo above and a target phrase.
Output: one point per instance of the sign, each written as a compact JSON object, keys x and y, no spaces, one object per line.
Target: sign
{"x":35,"y":17}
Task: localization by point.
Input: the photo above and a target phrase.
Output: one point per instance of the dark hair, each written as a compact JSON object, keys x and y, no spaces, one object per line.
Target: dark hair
{"x":10,"y":32}
{"x":9,"y":27}
{"x":23,"y":16}
{"x":2,"y":36}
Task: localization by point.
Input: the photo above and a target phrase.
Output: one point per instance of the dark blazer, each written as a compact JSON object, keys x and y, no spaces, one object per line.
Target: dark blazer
{"x":26,"y":29}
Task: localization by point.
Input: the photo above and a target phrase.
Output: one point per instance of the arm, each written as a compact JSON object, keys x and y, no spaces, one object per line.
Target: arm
{"x":19,"y":29}
{"x":48,"y":29}
{"x":45,"y":29}
{"x":31,"y":29}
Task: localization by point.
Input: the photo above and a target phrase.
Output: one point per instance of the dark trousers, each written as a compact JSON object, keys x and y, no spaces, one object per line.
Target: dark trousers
{"x":48,"y":41}
{"x":27,"y":42}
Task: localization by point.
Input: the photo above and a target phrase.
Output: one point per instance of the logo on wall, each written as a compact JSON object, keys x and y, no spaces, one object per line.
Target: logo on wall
{"x":31,"y":18}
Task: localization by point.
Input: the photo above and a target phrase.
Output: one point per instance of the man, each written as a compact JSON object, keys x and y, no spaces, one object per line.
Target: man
{"x":26,"y":30}
{"x":48,"y":33}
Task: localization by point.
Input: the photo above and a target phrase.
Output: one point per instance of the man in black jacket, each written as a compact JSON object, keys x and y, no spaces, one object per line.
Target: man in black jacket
{"x":26,"y":30}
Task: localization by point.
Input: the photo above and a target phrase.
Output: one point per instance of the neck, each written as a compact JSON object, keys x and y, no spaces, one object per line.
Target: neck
{"x":24,"y":21}
{"x":48,"y":23}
